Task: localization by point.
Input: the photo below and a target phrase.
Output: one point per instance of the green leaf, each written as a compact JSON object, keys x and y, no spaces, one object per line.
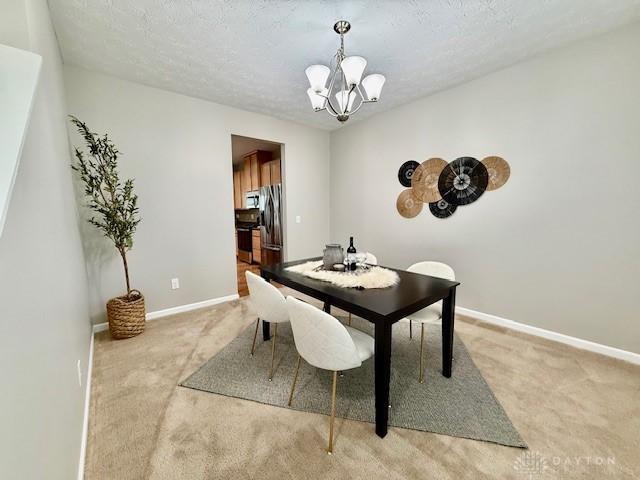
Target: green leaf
{"x":114,"y":202}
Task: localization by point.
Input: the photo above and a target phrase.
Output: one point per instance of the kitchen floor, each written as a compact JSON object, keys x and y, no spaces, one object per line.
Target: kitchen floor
{"x":243,"y":290}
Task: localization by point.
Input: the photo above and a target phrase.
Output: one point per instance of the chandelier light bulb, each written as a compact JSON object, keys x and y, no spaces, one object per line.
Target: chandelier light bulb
{"x":317,"y":100}
{"x":317,"y":75}
{"x":341,"y":97}
{"x":353,"y":67}
{"x":373,"y":86}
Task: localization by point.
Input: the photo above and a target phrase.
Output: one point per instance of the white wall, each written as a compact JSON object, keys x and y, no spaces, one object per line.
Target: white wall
{"x":178,"y":149}
{"x":44,"y":316}
{"x":19,"y":71}
{"x":558,"y":247}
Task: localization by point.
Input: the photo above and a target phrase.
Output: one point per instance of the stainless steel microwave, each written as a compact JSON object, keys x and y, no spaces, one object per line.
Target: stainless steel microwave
{"x":252,"y":199}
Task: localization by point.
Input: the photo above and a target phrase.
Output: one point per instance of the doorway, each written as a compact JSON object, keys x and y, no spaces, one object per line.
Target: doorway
{"x":258,"y":201}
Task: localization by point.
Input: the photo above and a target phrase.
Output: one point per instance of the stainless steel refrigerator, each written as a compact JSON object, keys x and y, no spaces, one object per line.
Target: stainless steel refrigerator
{"x":271,"y":223}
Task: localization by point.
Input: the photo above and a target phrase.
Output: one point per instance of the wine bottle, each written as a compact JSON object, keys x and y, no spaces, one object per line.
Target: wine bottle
{"x":351,"y":255}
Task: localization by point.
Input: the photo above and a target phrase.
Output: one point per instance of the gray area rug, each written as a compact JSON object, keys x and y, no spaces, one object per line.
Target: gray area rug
{"x":460,"y":406}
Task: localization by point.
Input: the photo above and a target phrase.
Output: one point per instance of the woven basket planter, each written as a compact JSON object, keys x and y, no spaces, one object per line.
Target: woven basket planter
{"x":126,"y":315}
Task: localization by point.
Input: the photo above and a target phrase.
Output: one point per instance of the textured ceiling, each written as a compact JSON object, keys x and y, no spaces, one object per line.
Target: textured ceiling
{"x":251,"y":54}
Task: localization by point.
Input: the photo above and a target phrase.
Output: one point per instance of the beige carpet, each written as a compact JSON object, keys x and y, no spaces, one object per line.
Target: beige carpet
{"x":579,"y":412}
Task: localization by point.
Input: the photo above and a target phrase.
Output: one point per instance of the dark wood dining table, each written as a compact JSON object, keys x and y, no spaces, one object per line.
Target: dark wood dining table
{"x":382,"y":307}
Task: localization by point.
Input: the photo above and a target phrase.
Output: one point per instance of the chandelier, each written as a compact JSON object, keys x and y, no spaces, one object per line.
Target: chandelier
{"x":343,"y":96}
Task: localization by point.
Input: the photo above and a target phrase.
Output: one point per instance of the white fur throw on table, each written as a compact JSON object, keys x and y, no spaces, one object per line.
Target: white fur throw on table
{"x":375,"y":277}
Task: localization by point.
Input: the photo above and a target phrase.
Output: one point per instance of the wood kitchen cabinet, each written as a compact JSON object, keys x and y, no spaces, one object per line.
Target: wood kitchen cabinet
{"x":270,"y":172}
{"x":252,"y":168}
{"x":255,"y":172}
{"x":256,"y":246}
{"x":257,"y":169}
{"x":250,"y":171}
{"x":276,"y":174}
{"x":246,"y":179}
{"x":265,"y":173}
{"x":238,"y":196}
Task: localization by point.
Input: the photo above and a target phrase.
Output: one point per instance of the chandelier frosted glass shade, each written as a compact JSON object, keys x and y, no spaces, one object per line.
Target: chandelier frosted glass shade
{"x":317,"y":99}
{"x":340,"y":90}
{"x":341,"y":98}
{"x":317,"y":75}
{"x":372,"y":85}
{"x":353,"y":68}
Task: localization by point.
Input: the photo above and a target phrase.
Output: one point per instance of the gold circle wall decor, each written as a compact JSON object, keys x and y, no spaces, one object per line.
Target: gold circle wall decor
{"x":408,"y":205}
{"x":447,"y":186}
{"x":425,"y":180}
{"x":498,"y":170}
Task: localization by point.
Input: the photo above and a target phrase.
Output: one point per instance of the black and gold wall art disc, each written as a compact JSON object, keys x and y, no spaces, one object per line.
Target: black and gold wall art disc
{"x":463,"y":181}
{"x":442,"y":209}
{"x":405,"y":174}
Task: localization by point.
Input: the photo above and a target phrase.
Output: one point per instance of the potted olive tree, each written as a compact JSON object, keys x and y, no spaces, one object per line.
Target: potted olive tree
{"x":115,"y":213}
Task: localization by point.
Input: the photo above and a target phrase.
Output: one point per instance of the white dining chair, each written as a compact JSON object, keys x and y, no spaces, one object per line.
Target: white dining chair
{"x":326,"y":343}
{"x":270,"y":306}
{"x":369,"y":260}
{"x":433,"y":313}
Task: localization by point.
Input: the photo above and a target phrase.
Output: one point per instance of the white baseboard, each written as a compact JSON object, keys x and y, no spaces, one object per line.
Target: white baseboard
{"x":550,"y":335}
{"x":85,"y":420}
{"x":173,"y":310}
{"x":190,"y":306}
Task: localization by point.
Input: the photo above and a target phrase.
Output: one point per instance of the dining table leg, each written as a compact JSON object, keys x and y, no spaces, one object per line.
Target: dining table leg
{"x":448,"y":317}
{"x":327,"y":307}
{"x":266,"y":330}
{"x":382,"y":358}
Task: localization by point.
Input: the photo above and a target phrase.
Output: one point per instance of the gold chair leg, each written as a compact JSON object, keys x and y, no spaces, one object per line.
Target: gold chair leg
{"x":410,"y":329}
{"x":349,"y":319}
{"x":421,"y":379}
{"x":295,"y":378}
{"x":255,"y":334}
{"x":333,"y":413}
{"x":273,"y":350}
